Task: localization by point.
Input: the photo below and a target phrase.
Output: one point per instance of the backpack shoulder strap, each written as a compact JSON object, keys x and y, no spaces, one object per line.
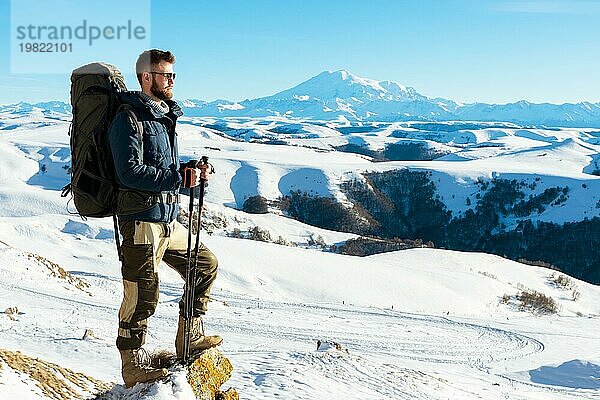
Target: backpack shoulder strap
{"x":138,"y":124}
{"x":140,"y":131}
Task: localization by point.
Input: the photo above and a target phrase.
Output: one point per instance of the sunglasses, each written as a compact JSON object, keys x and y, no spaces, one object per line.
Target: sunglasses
{"x":168,"y":75}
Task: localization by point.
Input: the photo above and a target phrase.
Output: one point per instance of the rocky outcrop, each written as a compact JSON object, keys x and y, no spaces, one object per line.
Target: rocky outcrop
{"x":208,"y":373}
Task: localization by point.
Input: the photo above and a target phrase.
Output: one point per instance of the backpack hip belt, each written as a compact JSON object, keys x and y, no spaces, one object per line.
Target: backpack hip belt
{"x":166,"y":198}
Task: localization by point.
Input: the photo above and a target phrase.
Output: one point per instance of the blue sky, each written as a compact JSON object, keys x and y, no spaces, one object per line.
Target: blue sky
{"x":480,"y":50}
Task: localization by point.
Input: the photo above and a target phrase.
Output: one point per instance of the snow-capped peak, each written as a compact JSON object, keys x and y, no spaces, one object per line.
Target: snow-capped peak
{"x":353,"y":79}
{"x":342,"y":84}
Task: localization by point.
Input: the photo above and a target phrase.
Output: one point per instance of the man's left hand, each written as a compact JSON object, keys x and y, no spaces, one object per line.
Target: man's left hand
{"x":205,"y":170}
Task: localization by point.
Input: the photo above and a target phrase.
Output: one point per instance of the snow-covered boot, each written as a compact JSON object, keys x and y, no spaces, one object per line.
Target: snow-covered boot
{"x":198,"y":340}
{"x":136,"y":367}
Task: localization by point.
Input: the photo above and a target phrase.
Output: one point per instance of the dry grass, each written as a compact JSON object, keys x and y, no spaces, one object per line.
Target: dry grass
{"x":163,"y":359}
{"x":57,"y":271}
{"x":54,"y":381}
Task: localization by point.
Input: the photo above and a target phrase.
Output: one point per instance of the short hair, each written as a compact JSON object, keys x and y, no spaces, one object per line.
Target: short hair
{"x":149,"y":58}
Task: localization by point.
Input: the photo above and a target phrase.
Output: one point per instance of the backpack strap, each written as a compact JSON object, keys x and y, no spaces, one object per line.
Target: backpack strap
{"x":140,"y":131}
{"x":132,"y":115}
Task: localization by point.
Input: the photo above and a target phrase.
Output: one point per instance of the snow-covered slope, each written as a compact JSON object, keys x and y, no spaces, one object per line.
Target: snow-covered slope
{"x":416,"y":324}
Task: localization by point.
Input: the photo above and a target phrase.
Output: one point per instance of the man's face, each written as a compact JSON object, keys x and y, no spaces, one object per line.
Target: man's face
{"x":162,"y":87}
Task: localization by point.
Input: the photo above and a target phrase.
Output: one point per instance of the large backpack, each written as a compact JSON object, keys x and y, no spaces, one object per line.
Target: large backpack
{"x":96,"y":90}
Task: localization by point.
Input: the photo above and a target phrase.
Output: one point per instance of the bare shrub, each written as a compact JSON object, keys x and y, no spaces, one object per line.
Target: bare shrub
{"x":259,"y":234}
{"x":281,"y":241}
{"x":485,"y":273}
{"x":575,"y":295}
{"x":213,"y":221}
{"x":505,"y":299}
{"x":236,"y":233}
{"x":316,"y":241}
{"x":536,"y":302}
{"x":561,"y":281}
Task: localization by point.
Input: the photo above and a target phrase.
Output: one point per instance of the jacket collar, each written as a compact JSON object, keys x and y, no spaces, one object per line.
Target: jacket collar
{"x":174,"y":108}
{"x":135,"y":99}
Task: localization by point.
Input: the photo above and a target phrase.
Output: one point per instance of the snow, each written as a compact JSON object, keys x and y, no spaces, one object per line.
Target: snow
{"x":415,"y":324}
{"x":176,"y":388}
{"x":235,"y":106}
{"x":15,"y":385}
{"x":574,"y":374}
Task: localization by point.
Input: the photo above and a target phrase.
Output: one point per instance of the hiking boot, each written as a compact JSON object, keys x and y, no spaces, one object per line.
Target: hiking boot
{"x":198,"y":340}
{"x":136,"y":367}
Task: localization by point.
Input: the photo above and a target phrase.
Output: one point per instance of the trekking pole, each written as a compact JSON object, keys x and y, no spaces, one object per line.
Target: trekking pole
{"x":191,"y":270}
{"x":186,"y":311}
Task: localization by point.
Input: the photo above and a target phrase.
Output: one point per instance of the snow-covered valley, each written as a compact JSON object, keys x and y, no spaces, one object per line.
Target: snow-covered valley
{"x":414,"y":324}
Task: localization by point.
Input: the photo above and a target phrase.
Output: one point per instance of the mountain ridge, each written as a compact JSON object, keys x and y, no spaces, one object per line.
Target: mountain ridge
{"x":342,"y":95}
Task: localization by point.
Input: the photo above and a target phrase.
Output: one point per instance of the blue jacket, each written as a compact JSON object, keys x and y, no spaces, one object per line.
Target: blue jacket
{"x":147,"y":170}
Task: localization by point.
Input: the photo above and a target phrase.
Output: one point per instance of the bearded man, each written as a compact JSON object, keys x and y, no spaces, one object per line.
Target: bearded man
{"x":143,"y":144}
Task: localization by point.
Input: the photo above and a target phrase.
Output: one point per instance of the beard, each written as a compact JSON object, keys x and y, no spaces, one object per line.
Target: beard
{"x":161,"y":92}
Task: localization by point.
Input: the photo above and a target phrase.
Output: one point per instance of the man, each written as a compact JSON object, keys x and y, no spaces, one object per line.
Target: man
{"x":148,"y":172}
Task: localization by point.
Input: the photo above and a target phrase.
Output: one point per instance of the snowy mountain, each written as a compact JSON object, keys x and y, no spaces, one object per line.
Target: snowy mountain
{"x":47,"y":108}
{"x":341,"y":95}
{"x":576,"y":115}
{"x":345,"y":85}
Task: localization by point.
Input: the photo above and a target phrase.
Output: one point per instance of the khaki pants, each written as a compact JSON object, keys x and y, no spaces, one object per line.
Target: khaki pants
{"x":145,"y":245}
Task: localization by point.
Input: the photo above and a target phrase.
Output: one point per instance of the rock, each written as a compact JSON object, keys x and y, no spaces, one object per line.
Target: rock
{"x":326,"y":345}
{"x":88,"y":334}
{"x":11,"y":312}
{"x":207,"y":373}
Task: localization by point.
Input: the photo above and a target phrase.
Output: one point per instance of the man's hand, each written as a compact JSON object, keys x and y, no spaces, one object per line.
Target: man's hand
{"x":205,"y":169}
{"x":193,"y":176}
